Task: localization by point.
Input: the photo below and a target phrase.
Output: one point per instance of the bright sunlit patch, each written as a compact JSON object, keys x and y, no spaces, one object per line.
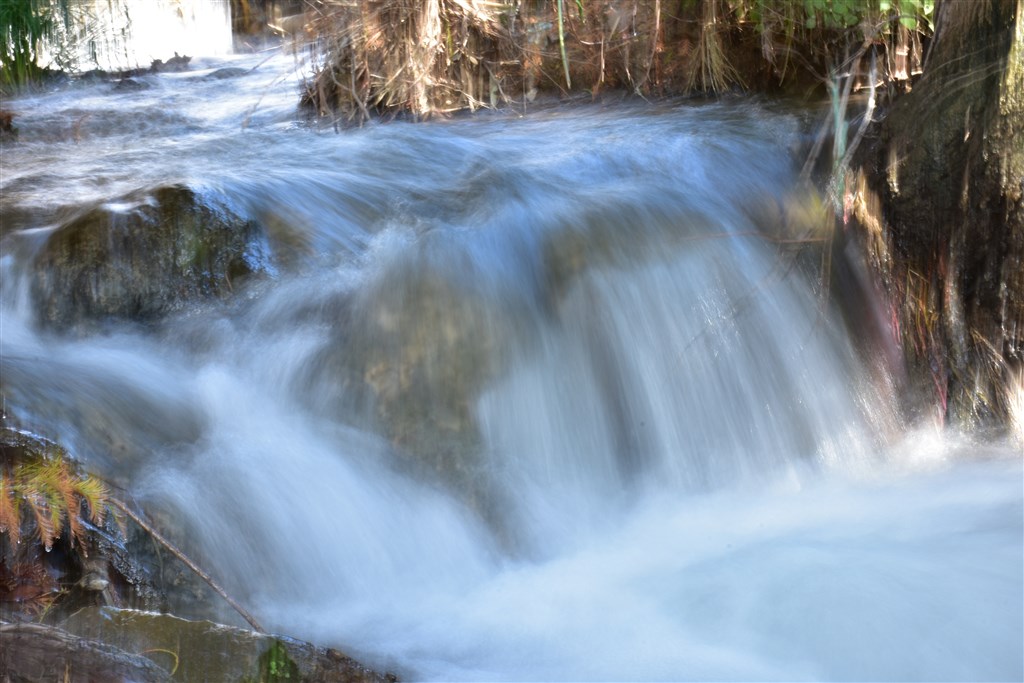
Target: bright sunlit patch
{"x":1015,"y":401}
{"x":132,"y":33}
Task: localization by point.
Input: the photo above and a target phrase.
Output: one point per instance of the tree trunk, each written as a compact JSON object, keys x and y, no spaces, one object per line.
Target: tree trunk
{"x":941,"y":190}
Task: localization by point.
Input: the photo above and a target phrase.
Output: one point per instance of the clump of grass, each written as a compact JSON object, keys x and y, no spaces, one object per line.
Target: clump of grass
{"x":24,"y":25}
{"x":710,"y":69}
{"x":44,"y":497}
{"x":64,"y":33}
{"x":423,"y":57}
{"x":432,"y":57}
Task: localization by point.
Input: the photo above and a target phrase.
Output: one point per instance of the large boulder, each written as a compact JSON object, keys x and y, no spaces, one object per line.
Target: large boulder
{"x":143,"y":257}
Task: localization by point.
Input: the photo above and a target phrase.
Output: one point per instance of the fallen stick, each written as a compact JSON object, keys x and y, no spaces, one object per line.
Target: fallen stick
{"x":188,"y":562}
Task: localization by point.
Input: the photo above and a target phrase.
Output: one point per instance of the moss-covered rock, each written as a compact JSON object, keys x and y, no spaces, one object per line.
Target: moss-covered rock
{"x":198,"y":651}
{"x":36,"y":652}
{"x":143,"y":257}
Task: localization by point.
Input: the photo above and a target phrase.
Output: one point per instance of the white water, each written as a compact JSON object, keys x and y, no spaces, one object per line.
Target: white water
{"x":689,"y":474}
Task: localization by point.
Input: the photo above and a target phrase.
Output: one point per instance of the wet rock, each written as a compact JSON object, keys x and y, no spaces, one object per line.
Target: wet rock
{"x":7,"y":129}
{"x":226,"y":72}
{"x":206,"y":651}
{"x":420,"y":351}
{"x":175,"y":63}
{"x":412,"y":354}
{"x":130,"y":85}
{"x":143,"y":257}
{"x":36,"y":652}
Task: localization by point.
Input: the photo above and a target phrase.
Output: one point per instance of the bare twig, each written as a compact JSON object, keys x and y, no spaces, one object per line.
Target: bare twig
{"x":188,"y":562}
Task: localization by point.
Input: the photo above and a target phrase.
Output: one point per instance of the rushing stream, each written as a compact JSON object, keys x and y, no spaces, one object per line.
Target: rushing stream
{"x":515,"y":397}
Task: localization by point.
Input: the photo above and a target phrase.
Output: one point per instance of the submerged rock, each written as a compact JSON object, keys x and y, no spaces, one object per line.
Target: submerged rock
{"x":144,"y":257}
{"x":411,"y":354}
{"x":131,"y":85}
{"x":109,"y":421}
{"x":226,"y":72}
{"x":419,"y":350}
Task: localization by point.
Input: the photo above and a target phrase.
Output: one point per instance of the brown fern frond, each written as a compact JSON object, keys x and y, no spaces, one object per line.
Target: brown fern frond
{"x":64,"y":480}
{"x":47,"y":482}
{"x":49,"y":487}
{"x":42,"y":486}
{"x":47,"y":520}
{"x":10,"y":508}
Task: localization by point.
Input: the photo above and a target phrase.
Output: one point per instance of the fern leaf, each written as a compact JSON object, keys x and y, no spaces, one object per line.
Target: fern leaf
{"x":64,"y":480}
{"x":95,"y":494}
{"x":41,"y":512}
{"x":10,"y":508}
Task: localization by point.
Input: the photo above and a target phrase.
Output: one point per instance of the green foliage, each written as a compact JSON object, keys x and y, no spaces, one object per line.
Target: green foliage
{"x":25,"y":26}
{"x":276,"y":666}
{"x":30,"y":29}
{"x":561,"y":45}
{"x":835,"y":15}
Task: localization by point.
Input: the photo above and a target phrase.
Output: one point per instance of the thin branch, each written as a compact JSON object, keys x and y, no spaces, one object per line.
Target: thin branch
{"x":188,"y":562}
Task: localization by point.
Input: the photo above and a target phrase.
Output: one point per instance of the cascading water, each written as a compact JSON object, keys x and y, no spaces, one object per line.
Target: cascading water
{"x":518,"y":398}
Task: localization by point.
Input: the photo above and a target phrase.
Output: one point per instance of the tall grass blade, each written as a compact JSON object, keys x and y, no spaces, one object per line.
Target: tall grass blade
{"x":561,"y":46}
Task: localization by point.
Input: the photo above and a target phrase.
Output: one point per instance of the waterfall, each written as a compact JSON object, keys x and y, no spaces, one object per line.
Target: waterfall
{"x":538,"y":397}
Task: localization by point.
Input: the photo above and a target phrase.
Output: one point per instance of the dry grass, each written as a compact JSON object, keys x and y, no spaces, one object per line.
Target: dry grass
{"x":427,"y":58}
{"x":710,"y":69}
{"x":423,"y":57}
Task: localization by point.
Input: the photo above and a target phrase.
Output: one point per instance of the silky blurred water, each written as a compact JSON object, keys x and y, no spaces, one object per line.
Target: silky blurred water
{"x":527,"y":396}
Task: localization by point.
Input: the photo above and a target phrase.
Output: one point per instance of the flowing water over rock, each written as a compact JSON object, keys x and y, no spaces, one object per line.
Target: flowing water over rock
{"x":511,"y":397}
